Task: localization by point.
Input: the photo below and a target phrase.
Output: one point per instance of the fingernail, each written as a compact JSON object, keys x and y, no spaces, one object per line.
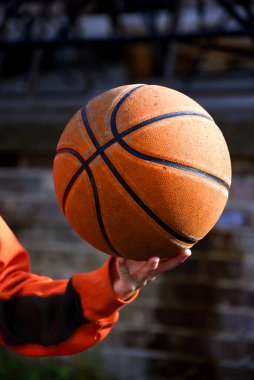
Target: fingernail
{"x":187,"y":253}
{"x":156,"y":262}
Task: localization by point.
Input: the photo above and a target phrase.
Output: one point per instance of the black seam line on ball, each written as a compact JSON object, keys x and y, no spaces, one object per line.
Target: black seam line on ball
{"x":143,"y":124}
{"x":162,"y":117}
{"x":73,"y":152}
{"x":129,"y":131}
{"x":133,"y":195}
{"x":68,"y":188}
{"x":94,"y":188}
{"x":118,"y":138}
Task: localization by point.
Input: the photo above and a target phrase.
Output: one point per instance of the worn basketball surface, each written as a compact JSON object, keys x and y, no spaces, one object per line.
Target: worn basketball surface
{"x":142,"y":171}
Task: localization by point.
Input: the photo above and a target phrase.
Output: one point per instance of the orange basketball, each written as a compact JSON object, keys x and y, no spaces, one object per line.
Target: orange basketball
{"x":142,"y":171}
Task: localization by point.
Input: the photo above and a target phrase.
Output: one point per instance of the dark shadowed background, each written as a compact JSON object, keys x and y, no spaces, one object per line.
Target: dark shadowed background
{"x":196,"y":322}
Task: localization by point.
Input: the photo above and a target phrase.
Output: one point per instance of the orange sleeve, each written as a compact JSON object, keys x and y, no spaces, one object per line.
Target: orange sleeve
{"x":42,"y":317}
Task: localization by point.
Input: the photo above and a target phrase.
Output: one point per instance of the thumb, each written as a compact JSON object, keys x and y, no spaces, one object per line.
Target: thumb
{"x":122,"y":268}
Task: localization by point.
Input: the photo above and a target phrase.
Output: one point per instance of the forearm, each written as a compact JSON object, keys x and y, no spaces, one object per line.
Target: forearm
{"x":42,"y":322}
{"x":40,"y":316}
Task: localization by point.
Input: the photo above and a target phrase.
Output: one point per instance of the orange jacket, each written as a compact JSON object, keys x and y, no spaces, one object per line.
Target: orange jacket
{"x":40,"y":316}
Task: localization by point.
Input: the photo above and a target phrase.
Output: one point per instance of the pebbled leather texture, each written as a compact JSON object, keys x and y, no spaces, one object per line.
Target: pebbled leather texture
{"x":142,"y":170}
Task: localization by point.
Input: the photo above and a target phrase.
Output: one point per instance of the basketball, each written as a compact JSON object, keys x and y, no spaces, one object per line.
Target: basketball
{"x":142,"y":171}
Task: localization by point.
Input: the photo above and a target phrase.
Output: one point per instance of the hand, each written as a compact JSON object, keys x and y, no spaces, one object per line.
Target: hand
{"x":131,"y":275}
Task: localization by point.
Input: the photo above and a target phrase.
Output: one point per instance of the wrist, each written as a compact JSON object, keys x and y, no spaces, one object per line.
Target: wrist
{"x":121,"y":291}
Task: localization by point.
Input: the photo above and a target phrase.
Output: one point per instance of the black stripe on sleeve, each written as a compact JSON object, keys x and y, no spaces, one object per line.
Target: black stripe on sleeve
{"x":45,"y":321}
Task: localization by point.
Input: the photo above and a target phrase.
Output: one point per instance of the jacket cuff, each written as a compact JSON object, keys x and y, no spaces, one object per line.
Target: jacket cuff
{"x":98,"y":300}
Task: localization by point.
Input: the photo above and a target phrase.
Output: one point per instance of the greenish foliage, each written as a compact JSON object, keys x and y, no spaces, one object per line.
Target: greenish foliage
{"x":79,"y":367}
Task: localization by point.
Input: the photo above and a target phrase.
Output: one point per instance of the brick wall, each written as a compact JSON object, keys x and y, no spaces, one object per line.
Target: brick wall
{"x":196,"y":322}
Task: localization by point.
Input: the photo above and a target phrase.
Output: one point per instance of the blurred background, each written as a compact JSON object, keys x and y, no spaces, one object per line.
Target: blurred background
{"x":196,"y":322}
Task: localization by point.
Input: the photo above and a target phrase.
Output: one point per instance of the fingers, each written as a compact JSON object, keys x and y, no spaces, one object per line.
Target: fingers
{"x":141,"y":275}
{"x":135,"y":275}
{"x":147,"y":272}
{"x":171,"y":263}
{"x":150,"y":266}
{"x":122,"y":268}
